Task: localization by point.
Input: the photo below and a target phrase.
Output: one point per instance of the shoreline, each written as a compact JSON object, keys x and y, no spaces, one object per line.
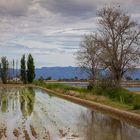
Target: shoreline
{"x":120,"y":114}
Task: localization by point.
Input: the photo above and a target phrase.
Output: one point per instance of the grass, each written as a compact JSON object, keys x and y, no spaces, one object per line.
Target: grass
{"x":65,"y":88}
{"x":115,"y":97}
{"x":120,"y":95}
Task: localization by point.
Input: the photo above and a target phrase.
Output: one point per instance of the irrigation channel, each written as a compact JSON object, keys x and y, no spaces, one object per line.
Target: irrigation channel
{"x":33,"y":114}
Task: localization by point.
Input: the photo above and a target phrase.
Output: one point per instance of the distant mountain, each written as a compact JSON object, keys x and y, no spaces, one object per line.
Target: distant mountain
{"x":134,"y":74}
{"x":71,"y":72}
{"x":60,"y":72}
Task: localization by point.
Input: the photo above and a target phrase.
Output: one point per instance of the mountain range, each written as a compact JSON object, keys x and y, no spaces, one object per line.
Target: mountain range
{"x":72,"y":72}
{"x":60,"y":72}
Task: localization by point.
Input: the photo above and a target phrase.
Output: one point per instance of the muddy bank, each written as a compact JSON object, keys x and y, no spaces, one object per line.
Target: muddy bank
{"x":126,"y":116}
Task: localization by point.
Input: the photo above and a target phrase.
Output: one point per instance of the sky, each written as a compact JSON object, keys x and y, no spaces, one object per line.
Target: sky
{"x":51,"y":30}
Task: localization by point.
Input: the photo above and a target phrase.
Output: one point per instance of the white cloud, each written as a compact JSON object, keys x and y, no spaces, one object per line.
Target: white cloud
{"x":14,"y":7}
{"x":51,"y":28}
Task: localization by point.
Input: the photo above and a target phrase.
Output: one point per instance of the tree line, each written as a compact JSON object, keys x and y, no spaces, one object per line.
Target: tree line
{"x":9,"y":71}
{"x":112,"y":49}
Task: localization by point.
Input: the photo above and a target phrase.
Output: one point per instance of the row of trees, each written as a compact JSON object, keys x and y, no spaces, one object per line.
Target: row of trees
{"x":27,"y":74}
{"x":9,"y":71}
{"x":114,"y":47}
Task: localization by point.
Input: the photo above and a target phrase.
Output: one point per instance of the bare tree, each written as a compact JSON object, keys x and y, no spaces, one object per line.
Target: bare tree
{"x":87,"y":57}
{"x":119,"y":38}
{"x":13,"y":63}
{"x":117,"y":43}
{"x":17,"y":74}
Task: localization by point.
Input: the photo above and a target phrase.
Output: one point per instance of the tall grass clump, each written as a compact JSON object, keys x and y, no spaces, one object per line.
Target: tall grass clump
{"x":118,"y":94}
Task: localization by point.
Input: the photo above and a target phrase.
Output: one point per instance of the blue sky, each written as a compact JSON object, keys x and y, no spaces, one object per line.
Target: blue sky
{"x":51,"y":29}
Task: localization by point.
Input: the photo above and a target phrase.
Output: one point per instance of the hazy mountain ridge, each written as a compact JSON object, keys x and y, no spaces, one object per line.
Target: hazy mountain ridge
{"x":60,"y":72}
{"x":71,"y":72}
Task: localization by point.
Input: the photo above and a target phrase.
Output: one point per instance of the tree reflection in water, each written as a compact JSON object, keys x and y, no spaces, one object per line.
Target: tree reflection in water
{"x":32,"y":110}
{"x":4,"y":100}
{"x":11,"y":99}
{"x":27,"y":99}
{"x":97,"y":126}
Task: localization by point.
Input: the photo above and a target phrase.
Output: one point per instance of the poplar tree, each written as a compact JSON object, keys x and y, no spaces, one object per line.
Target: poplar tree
{"x":23,"y":73}
{"x":4,"y":69}
{"x":30,"y":69}
{"x":13,"y":63}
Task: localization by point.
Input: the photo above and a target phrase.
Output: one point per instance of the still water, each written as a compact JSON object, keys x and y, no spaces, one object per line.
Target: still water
{"x":32,"y":114}
{"x":134,"y":89}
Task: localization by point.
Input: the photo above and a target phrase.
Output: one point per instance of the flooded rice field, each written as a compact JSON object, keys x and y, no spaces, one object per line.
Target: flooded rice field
{"x":32,"y":114}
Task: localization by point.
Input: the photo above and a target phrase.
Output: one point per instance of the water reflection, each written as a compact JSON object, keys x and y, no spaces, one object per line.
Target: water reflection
{"x":97,"y":126}
{"x":28,"y":113}
{"x":11,"y":99}
{"x":27,"y":99}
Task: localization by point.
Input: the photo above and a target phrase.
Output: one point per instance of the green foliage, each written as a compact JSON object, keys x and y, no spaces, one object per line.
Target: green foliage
{"x":41,"y":79}
{"x":29,"y":74}
{"x":136,"y":106}
{"x":128,"y":78}
{"x":30,"y":69}
{"x":4,"y":69}
{"x":23,"y":69}
{"x":119,"y":95}
{"x":49,"y":78}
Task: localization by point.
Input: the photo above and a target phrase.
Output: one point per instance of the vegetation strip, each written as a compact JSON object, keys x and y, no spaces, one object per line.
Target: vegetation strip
{"x":126,"y":116}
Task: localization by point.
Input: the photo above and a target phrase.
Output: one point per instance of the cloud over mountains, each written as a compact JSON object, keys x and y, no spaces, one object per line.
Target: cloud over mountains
{"x":51,"y":28}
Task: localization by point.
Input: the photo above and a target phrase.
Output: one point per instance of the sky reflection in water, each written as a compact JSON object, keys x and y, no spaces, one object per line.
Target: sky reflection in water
{"x":27,"y":113}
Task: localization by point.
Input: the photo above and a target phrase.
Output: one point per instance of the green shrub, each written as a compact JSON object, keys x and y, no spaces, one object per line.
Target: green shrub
{"x":119,"y":94}
{"x":136,"y":106}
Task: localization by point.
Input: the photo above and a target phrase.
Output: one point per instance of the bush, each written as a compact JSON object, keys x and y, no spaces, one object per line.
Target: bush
{"x":136,"y":106}
{"x":89,"y":87}
{"x":119,"y":94}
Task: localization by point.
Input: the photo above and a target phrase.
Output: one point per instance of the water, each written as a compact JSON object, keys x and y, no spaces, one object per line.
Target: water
{"x":29,"y":114}
{"x":134,"y":89}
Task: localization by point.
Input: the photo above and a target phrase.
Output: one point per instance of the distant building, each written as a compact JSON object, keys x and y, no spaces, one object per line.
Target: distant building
{"x":16,"y":79}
